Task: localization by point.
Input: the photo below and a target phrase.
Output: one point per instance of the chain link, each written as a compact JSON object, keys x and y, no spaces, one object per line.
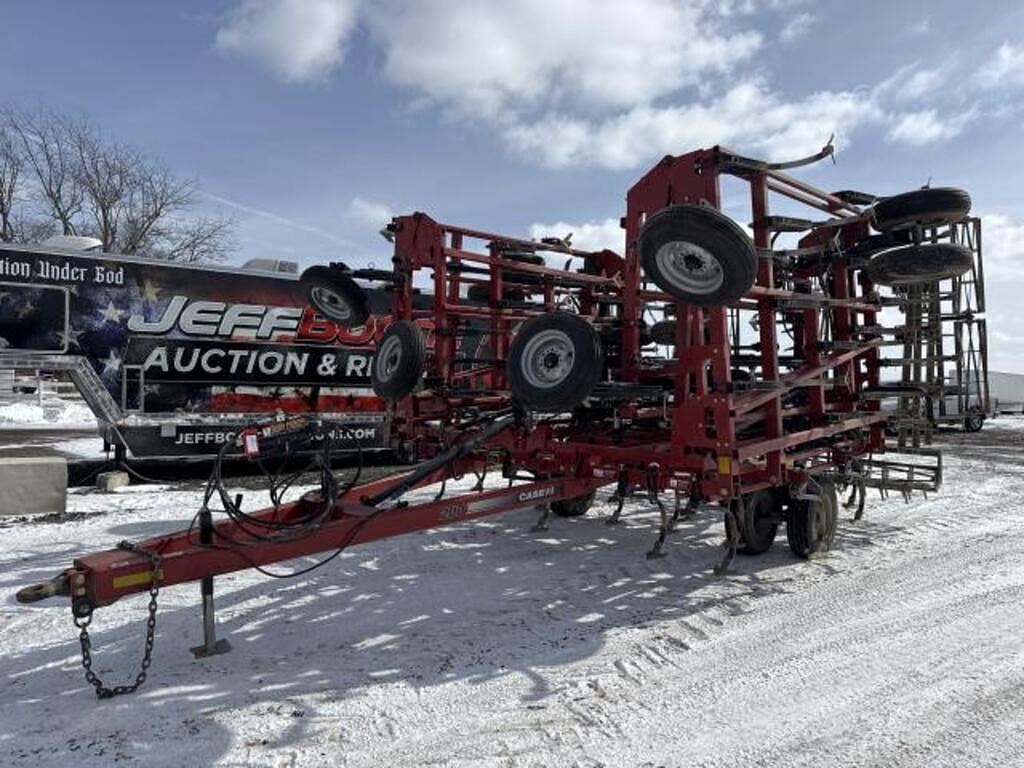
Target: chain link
{"x":82,"y":622}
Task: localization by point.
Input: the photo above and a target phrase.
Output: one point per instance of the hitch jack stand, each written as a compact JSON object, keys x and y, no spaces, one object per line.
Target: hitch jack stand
{"x":211,"y":645}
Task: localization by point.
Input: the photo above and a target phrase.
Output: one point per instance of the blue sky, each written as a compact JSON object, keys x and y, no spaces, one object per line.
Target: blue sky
{"x":310,"y":121}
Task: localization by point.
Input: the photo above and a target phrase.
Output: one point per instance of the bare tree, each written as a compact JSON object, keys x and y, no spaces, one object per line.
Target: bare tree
{"x":42,"y":140}
{"x":104,"y":174}
{"x":31,"y":228}
{"x":90,"y":184}
{"x":11,"y":166}
{"x":156,"y":197}
{"x":199,"y":240}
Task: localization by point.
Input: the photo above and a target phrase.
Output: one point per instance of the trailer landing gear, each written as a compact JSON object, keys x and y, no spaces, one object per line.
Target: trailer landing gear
{"x":211,"y":645}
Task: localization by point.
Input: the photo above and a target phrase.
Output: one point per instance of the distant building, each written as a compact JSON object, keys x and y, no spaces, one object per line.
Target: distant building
{"x":1006,"y":391}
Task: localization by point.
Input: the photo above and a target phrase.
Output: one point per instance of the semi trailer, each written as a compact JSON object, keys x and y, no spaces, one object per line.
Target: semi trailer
{"x":173,"y":358}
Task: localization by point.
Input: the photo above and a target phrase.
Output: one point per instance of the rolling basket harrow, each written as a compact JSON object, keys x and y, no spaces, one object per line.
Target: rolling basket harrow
{"x":703,"y":367}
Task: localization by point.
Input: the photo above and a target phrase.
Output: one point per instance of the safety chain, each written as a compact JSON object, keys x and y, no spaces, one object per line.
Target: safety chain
{"x":82,"y":622}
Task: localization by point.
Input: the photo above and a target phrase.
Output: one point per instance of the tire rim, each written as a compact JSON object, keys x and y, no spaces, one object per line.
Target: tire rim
{"x":388,"y":358}
{"x":689,"y":267}
{"x":330,"y":303}
{"x":547,"y":359}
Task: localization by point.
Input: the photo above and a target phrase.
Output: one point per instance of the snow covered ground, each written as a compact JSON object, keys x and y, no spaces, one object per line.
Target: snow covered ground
{"x":488,"y":644}
{"x":53,"y":413}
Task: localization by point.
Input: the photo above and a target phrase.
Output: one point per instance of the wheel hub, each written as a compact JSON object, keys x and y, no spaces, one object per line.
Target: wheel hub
{"x":690,"y":267}
{"x":389,"y":356}
{"x":331,"y":302}
{"x":548,"y":359}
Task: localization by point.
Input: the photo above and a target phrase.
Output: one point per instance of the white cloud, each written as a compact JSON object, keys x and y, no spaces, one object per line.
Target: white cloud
{"x":484,"y":59}
{"x":599,"y":83}
{"x":1004,"y":69}
{"x":923,"y":82}
{"x":747,"y":114}
{"x":370,"y":213}
{"x":923,"y":27}
{"x":913,"y":82}
{"x":797,"y":27}
{"x":927,"y":127}
{"x":297,"y":40}
{"x":1003,"y":247}
{"x":588,"y":236}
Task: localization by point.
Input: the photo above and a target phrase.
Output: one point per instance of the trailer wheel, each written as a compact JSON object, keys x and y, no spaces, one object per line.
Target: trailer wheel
{"x":811,"y":524}
{"x":482,"y":293}
{"x":913,"y":264}
{"x":974,"y":423}
{"x":336,"y":296}
{"x":698,"y":255}
{"x":762,"y":511}
{"x":664,"y":332}
{"x":576,"y":507}
{"x":399,"y":361}
{"x":924,"y":207}
{"x":523,"y":257}
{"x":554,"y":362}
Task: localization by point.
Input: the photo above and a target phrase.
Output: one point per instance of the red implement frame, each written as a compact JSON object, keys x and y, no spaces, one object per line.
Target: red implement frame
{"x":704,"y":434}
{"x":697,"y":435}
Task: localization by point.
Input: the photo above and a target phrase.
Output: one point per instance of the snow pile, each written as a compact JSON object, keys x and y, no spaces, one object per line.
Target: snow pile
{"x":52,"y":413}
{"x":1008,"y":422}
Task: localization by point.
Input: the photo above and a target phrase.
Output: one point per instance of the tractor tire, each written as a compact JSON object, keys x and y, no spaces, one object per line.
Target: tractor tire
{"x":762,"y":511}
{"x":811,"y":524}
{"x":915,"y":264}
{"x":336,"y":296}
{"x":399,"y":361}
{"x":974,"y":423}
{"x":698,"y":255}
{"x":523,"y":257}
{"x":576,"y":507}
{"x":922,"y":207}
{"x":482,"y":293}
{"x":554,"y":362}
{"x":664,"y":332}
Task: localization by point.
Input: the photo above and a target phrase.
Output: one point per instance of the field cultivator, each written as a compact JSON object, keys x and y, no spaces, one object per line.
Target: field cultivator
{"x":704,"y":367}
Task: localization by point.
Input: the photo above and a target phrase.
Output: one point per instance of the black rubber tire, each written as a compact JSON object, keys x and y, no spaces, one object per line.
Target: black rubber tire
{"x":914,"y":264}
{"x":584,"y":356}
{"x":974,"y":423}
{"x":762,"y":511}
{"x":664,"y":332}
{"x":336,"y":296}
{"x":399,"y":361}
{"x":723,"y":246}
{"x":925,"y":207}
{"x":523,"y":257}
{"x":482,"y":293}
{"x":811,"y":525}
{"x":576,"y":507}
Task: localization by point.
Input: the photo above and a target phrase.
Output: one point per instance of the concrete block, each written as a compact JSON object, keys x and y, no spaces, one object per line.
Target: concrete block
{"x":33,"y":485}
{"x":108,"y":481}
